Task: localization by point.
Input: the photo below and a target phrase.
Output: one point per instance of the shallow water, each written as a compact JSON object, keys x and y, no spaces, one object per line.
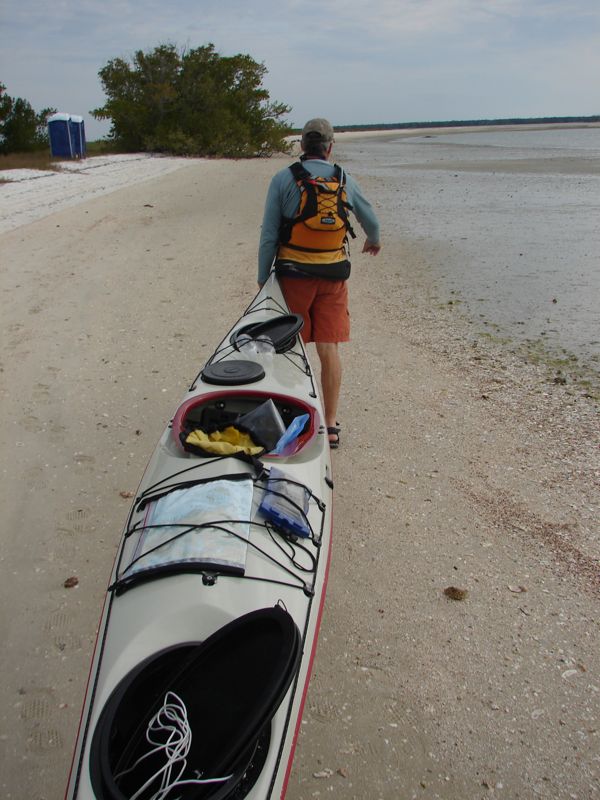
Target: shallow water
{"x":509,"y":221}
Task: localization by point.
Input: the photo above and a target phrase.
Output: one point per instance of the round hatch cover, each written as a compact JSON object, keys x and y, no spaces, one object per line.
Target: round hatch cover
{"x":233,"y":373}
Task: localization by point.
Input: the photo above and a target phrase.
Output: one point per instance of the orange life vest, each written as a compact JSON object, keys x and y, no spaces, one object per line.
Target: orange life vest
{"x":317,"y":235}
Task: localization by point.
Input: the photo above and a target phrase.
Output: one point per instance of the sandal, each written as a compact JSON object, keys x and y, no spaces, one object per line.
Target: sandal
{"x":335,"y":432}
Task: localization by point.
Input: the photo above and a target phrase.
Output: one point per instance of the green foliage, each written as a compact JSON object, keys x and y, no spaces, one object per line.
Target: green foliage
{"x":101,"y":147}
{"x":21,"y":129}
{"x":193,"y":102}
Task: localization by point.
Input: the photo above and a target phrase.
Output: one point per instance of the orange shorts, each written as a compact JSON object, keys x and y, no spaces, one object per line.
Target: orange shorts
{"x":323,"y":305}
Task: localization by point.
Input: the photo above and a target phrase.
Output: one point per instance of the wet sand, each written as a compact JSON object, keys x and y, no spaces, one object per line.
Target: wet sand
{"x":460,"y":465}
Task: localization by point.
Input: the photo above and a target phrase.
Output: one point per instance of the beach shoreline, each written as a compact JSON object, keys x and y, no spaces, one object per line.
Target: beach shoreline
{"x":460,"y":465}
{"x":23,"y":199}
{"x":344,"y":135}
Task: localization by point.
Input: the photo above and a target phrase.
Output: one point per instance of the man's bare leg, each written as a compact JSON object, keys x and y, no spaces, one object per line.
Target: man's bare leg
{"x":331,"y":380}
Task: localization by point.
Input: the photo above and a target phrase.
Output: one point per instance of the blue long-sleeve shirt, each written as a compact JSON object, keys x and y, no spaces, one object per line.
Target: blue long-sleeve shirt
{"x":283,"y":200}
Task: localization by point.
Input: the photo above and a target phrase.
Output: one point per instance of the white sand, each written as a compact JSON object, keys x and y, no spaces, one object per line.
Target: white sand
{"x":32,"y":194}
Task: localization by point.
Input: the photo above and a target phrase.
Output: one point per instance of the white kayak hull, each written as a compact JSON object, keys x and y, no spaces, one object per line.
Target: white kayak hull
{"x":151,"y":606}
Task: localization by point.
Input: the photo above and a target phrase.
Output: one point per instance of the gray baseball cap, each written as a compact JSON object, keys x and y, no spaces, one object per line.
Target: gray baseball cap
{"x":317,"y":129}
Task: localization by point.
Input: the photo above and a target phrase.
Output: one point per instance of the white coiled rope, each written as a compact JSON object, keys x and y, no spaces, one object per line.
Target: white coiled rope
{"x":170,"y":721}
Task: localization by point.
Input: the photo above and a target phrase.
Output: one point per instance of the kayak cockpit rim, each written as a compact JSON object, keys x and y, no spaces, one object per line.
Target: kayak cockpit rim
{"x":224,"y":406}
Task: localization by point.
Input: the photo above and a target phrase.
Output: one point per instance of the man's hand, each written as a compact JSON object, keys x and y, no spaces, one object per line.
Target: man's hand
{"x":370,"y":248}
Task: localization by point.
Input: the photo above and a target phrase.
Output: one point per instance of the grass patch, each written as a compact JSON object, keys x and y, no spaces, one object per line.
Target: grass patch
{"x":37,"y":160}
{"x":561,"y":368}
{"x":564,"y":368}
{"x":495,"y":338}
{"x":41,"y":159}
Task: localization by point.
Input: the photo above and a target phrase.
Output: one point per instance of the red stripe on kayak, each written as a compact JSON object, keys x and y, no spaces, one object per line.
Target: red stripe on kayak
{"x":87,"y":691}
{"x":310,"y":666}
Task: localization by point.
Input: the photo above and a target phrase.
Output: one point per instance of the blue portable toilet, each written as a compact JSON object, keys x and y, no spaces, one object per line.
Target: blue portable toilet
{"x":77,"y":136}
{"x":59,"y":133}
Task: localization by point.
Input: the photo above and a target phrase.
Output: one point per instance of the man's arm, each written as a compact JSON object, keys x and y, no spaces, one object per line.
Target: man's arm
{"x":269,"y":234}
{"x":364,"y":213}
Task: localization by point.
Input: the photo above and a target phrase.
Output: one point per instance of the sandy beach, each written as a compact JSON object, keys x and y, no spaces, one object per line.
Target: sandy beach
{"x":461,"y":465}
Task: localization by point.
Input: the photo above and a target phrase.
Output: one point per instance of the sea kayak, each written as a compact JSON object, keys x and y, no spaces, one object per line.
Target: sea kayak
{"x":209,"y":628}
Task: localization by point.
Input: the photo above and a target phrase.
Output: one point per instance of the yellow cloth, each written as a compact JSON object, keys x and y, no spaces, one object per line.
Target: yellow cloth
{"x":225,"y":442}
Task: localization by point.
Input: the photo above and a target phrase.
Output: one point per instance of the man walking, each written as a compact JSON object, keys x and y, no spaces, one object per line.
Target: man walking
{"x":304,"y":235}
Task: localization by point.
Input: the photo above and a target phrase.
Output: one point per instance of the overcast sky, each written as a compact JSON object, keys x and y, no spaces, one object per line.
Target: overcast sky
{"x":354,"y":61}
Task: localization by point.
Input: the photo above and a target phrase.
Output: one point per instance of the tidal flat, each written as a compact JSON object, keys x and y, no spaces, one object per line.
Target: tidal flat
{"x":507,"y":223}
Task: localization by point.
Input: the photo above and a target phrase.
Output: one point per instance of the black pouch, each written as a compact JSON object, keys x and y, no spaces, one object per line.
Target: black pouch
{"x":263,"y":424}
{"x":338,"y":271}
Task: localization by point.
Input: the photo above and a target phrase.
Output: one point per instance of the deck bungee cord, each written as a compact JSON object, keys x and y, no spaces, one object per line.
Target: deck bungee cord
{"x":125,"y":581}
{"x":287,"y":543}
{"x":154,"y":492}
{"x":260,"y":475}
{"x":262,"y":304}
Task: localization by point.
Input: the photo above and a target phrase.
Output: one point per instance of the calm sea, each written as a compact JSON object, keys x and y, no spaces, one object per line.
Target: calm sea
{"x":509,"y":221}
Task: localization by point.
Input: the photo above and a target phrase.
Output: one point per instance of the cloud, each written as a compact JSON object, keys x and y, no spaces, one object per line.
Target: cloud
{"x":382,"y":61}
